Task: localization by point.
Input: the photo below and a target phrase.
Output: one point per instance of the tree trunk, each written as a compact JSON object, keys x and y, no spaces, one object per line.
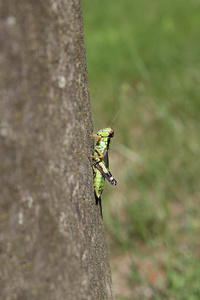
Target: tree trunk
{"x":52,"y":240}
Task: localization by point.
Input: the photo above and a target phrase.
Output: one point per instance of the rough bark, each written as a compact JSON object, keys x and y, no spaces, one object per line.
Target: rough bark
{"x":52,"y":240}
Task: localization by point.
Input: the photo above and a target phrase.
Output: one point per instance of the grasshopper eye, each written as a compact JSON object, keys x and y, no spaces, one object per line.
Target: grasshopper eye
{"x":111,"y":133}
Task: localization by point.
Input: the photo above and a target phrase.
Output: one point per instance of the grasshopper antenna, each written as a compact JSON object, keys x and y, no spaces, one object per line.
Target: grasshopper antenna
{"x":115,"y":117}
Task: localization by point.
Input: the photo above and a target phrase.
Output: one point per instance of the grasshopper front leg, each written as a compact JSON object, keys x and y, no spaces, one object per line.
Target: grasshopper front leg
{"x":96,"y":137}
{"x":100,"y":156}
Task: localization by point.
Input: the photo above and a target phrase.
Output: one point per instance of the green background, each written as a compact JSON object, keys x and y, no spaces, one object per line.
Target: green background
{"x":144,"y":58}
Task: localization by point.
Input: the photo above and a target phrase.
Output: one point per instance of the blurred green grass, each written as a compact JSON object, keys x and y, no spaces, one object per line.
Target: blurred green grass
{"x":143,"y":57}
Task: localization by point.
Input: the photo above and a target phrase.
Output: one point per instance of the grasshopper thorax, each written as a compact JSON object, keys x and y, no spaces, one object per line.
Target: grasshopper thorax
{"x":106,"y":132}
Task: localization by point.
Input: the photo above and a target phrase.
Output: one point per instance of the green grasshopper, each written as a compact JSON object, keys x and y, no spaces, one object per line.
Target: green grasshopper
{"x":101,"y":161}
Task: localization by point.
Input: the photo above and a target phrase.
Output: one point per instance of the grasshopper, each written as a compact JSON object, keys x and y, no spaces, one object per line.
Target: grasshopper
{"x":101,"y":161}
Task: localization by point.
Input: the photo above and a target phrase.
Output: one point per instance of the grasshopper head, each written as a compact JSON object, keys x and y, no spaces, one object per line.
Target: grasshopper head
{"x":106,"y":132}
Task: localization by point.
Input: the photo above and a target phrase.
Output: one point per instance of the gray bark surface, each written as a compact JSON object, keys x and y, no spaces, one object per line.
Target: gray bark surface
{"x":52,"y":240}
